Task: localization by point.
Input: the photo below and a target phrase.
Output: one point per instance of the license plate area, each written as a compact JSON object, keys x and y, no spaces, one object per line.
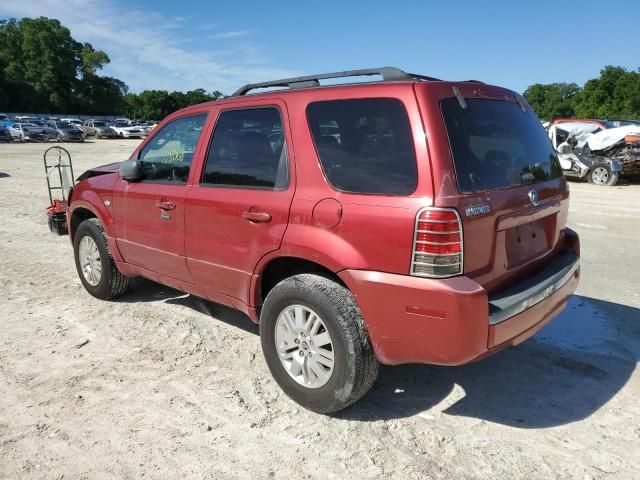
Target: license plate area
{"x":528,"y":241}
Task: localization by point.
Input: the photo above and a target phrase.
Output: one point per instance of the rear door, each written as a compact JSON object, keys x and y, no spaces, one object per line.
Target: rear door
{"x":149,"y":215}
{"x":238,"y":211}
{"x":499,"y":169}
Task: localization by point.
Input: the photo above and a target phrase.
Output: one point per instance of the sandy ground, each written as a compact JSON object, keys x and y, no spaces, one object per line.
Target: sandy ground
{"x":171,"y":386}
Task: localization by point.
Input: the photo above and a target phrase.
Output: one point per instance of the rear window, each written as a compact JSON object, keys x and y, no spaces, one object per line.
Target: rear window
{"x":496,"y":145}
{"x":365,"y":145}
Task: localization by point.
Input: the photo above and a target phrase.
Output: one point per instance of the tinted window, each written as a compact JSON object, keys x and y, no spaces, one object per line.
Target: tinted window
{"x":496,"y":145}
{"x":168,"y":155}
{"x":365,"y":145}
{"x":248,"y":150}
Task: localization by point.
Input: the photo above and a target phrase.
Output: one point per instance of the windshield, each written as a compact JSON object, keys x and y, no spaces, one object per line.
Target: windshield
{"x":495,"y":145}
{"x":99,"y":124}
{"x":67,"y":126}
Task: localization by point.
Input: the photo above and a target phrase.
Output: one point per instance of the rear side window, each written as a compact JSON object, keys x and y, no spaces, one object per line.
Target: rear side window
{"x":168,"y":155}
{"x":248,"y":150}
{"x":496,"y":145}
{"x":365,"y":145}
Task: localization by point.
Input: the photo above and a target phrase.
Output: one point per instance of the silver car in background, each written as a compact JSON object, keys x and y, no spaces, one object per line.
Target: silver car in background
{"x":98,"y":129}
{"x":64,"y":131}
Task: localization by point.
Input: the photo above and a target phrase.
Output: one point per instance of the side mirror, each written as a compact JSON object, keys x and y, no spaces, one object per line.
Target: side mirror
{"x":131,"y":170}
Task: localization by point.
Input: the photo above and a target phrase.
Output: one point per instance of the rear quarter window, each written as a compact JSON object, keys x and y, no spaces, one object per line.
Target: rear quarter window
{"x":494,"y":144}
{"x":365,"y":145}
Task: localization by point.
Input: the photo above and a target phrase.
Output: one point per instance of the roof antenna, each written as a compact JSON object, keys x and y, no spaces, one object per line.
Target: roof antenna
{"x":461,"y":100}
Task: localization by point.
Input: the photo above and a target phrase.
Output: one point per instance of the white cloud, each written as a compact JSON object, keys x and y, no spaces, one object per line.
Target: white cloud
{"x":147,"y":50}
{"x":232,"y":34}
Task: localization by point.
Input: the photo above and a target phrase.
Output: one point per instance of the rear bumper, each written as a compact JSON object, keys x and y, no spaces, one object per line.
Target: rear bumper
{"x":453,"y":321}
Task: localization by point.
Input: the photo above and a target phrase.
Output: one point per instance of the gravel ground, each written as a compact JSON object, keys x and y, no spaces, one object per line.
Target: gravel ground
{"x":171,"y":386}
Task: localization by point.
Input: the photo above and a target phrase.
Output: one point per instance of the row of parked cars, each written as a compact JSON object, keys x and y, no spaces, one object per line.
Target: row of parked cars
{"x":44,"y":129}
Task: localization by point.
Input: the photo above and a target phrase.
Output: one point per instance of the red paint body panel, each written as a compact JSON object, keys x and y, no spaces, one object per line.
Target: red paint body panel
{"x":222,"y":247}
{"x":401,"y":337}
{"x":457,"y":333}
{"x":209,"y":249}
{"x":147,"y":235}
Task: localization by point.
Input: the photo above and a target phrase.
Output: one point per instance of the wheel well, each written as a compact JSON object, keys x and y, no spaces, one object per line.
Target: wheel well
{"x":285,"y":267}
{"x":78,"y":216}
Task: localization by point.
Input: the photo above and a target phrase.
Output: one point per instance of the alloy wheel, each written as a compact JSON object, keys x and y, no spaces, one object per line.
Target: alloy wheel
{"x":304,"y":346}
{"x":90,"y":261}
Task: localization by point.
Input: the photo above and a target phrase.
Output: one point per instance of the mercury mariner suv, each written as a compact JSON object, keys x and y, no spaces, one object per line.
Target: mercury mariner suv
{"x":402,"y":220}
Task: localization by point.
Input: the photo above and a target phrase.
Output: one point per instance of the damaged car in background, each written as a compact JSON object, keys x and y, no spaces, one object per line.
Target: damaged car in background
{"x":27,"y":132}
{"x":589,"y":149}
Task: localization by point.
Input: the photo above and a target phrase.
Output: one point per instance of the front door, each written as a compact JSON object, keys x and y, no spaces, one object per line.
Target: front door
{"x":149,"y":214}
{"x":239,"y":210}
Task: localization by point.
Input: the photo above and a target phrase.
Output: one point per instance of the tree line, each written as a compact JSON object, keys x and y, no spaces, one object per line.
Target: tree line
{"x":614,"y":95}
{"x":44,"y":69}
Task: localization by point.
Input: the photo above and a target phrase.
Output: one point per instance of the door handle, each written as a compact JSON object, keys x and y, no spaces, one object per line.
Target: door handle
{"x":166,"y":205}
{"x":256,"y":216}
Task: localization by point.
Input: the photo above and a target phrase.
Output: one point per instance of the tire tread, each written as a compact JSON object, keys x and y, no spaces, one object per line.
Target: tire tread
{"x":350,"y":319}
{"x":117,"y":283}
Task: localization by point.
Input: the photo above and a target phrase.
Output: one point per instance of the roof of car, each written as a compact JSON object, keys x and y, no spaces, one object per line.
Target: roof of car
{"x":388,"y":74}
{"x":295,"y":85}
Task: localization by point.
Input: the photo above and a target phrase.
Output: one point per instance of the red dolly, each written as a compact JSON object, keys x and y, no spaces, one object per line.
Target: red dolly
{"x":59,"y":173}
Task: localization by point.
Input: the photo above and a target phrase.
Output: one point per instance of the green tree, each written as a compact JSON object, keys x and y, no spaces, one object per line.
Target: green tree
{"x":96,"y":95}
{"x":50,"y":60}
{"x":43,"y":69}
{"x":16,"y":94}
{"x":553,"y":100}
{"x":615,"y":94}
{"x":157,"y":104}
{"x":92,"y":60}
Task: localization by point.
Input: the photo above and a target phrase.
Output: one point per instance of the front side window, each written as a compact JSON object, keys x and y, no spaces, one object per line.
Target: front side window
{"x":365,"y":145}
{"x":248,"y":151}
{"x":168,"y":155}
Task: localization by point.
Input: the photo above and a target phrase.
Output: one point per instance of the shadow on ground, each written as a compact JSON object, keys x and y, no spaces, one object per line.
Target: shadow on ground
{"x":564,"y":374}
{"x":143,"y":290}
{"x":4,"y":175}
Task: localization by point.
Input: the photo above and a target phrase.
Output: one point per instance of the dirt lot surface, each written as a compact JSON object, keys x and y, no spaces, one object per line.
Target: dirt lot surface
{"x":170,"y":386}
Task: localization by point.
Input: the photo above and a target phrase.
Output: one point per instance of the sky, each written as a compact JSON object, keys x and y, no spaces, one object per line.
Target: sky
{"x":183,"y":45}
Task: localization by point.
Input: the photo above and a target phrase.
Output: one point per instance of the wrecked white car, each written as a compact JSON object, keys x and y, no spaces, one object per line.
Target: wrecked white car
{"x":601,"y":155}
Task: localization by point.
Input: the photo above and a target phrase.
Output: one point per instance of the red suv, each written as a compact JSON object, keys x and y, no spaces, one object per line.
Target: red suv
{"x":397,"y":221}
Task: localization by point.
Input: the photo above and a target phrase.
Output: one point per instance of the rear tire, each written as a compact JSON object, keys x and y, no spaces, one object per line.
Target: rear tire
{"x":109,"y":283}
{"x":602,"y":176}
{"x":354,"y":366}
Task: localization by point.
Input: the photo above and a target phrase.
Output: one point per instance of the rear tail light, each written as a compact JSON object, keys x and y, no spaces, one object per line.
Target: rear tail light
{"x":437,"y":244}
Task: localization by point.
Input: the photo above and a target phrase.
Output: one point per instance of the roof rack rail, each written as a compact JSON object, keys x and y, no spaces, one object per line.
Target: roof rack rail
{"x":388,"y":74}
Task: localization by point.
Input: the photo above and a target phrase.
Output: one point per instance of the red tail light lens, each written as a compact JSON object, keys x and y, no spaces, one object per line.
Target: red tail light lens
{"x":438,"y":248}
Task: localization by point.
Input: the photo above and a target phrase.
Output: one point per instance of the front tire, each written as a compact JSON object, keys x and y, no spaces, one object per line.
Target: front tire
{"x":315,"y":343}
{"x":94,"y":263}
{"x":603,"y":176}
